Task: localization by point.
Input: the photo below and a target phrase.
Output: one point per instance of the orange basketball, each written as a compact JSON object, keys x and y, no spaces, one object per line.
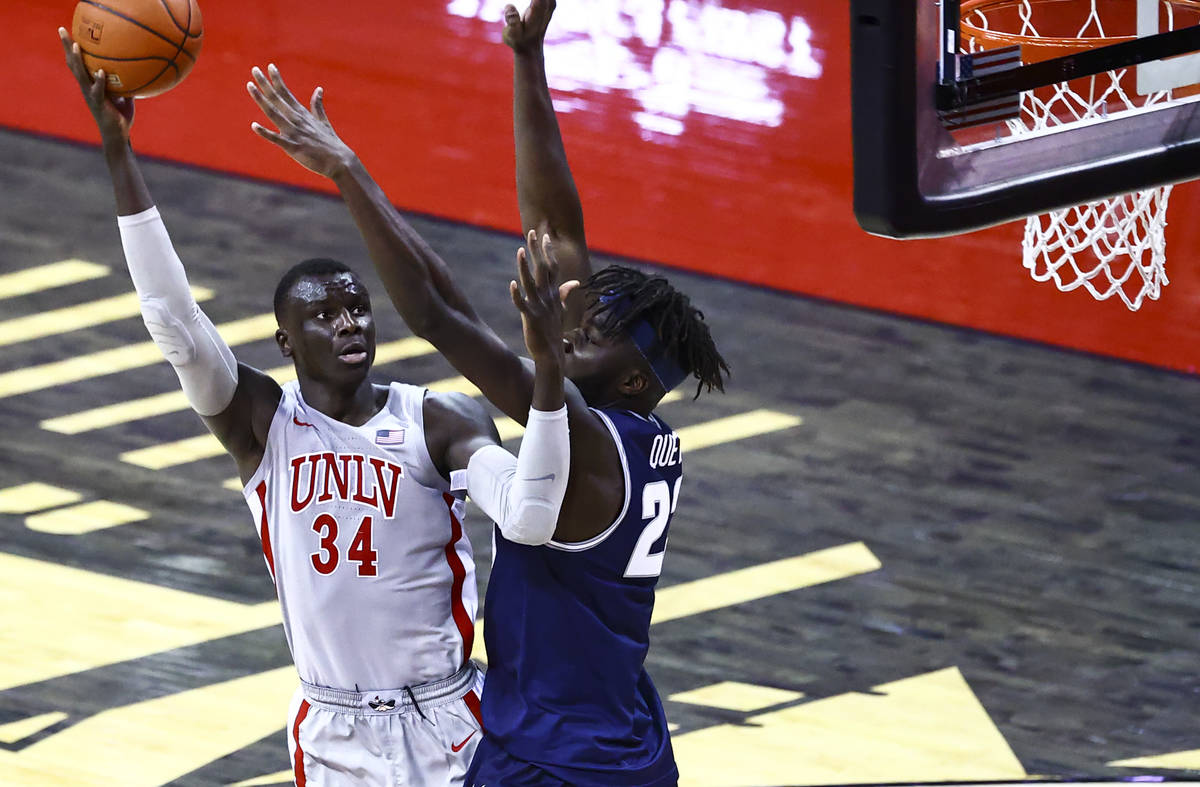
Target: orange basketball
{"x":145,"y":47}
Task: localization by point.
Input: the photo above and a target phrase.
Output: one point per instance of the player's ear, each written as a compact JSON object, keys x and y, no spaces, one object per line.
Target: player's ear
{"x":633,"y":383}
{"x":285,"y":344}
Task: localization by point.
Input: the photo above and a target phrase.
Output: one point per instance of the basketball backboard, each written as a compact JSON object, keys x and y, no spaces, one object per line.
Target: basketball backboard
{"x":915,"y":177}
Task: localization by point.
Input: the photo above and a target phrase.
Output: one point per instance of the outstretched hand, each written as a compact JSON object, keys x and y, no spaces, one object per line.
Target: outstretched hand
{"x":539,"y":299}
{"x":113,"y":114}
{"x":526,"y":33}
{"x":305,"y":133}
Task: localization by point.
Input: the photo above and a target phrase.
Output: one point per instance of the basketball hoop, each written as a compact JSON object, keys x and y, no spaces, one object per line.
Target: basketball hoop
{"x":1114,"y":246}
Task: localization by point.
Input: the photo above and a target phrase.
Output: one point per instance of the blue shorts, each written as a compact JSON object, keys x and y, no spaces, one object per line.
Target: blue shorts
{"x":494,"y":767}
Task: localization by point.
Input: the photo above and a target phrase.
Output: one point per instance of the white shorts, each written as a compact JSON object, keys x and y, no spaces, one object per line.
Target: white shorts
{"x":408,"y":737}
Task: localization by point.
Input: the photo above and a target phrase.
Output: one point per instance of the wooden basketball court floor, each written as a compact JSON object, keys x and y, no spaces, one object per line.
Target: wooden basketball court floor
{"x":905,"y":553}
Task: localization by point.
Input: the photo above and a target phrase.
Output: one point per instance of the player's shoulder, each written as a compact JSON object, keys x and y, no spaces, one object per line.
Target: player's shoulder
{"x":454,"y":411}
{"x":629,"y":422}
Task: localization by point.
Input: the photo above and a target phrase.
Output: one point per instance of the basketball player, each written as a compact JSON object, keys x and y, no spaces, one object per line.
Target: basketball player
{"x":351,"y":486}
{"x":567,"y":700}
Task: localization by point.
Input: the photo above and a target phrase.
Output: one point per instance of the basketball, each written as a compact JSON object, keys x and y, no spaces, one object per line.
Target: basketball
{"x":146,"y":47}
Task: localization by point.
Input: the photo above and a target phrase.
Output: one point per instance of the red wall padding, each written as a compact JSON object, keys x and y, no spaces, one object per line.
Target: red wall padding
{"x":423,"y":93}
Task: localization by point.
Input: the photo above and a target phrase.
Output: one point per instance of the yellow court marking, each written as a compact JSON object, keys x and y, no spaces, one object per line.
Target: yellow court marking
{"x":47,"y":277}
{"x":1180,"y":760}
{"x":175,"y":401}
{"x":74,"y":318}
{"x":747,"y":584}
{"x":85,"y":518}
{"x":233,"y":484}
{"x":60,"y":620}
{"x":769,"y":579}
{"x":929,"y":728}
{"x":734,"y":427}
{"x":156,"y":741}
{"x":180,"y":452}
{"x":457,"y":384}
{"x":20,"y":730}
{"x":731,"y":695}
{"x":119,"y":359}
{"x":35,"y":497}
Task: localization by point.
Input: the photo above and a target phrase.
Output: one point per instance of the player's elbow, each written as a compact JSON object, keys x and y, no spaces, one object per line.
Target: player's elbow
{"x":532,"y":523}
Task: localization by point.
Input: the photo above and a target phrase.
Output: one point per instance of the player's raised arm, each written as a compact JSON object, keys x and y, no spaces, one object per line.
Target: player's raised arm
{"x":546,"y":191}
{"x":524,"y":495}
{"x":235,"y":403}
{"x":417,"y":280}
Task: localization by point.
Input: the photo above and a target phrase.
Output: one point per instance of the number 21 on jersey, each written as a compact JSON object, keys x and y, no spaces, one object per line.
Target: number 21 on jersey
{"x":658,"y":503}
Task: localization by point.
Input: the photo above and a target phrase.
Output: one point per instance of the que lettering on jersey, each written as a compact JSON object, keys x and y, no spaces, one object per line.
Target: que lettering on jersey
{"x":349,"y":478}
{"x":664,"y":451}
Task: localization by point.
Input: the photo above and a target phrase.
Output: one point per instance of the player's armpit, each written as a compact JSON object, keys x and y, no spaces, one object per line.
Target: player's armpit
{"x":243,"y":425}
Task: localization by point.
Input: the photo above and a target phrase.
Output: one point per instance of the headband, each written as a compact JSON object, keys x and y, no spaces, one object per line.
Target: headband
{"x":668,"y":373}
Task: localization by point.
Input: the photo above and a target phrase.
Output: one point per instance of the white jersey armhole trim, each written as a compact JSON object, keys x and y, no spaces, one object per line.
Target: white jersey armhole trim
{"x":417,"y":415}
{"x":580,"y":546}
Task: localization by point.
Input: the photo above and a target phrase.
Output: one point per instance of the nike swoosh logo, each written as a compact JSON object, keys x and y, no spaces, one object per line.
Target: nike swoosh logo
{"x":547,"y":477}
{"x":464,"y":741}
{"x":298,"y":422}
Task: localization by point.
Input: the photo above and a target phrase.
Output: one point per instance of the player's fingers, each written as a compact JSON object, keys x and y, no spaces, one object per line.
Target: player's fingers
{"x":524,"y":274}
{"x":551,"y":261}
{"x":566,"y":289}
{"x":98,"y":85}
{"x":282,"y":89}
{"x":270,"y":136}
{"x":541,"y":267}
{"x":68,"y":45}
{"x":267,"y":91}
{"x":511,"y":15}
{"x":318,"y":105}
{"x":125,"y":107}
{"x":75,"y":63}
{"x":514,"y":292}
{"x":530,"y":265}
{"x":269,"y":108}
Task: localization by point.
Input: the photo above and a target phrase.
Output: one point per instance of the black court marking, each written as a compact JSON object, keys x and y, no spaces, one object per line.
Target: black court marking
{"x":178,"y":47}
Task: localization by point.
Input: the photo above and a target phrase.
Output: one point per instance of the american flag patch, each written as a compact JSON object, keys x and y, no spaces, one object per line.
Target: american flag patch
{"x":389,"y":436}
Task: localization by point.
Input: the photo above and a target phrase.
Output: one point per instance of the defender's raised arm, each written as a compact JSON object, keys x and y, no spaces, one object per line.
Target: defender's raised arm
{"x":546,"y":191}
{"x":417,"y":280}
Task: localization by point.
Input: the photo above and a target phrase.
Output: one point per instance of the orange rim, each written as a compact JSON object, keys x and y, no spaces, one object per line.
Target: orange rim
{"x":1054,"y":45}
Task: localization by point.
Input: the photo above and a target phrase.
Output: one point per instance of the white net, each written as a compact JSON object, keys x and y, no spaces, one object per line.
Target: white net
{"x":1114,"y":246}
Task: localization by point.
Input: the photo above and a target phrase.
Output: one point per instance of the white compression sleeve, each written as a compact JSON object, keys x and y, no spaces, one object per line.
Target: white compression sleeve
{"x":203,"y":361}
{"x":524,"y":495}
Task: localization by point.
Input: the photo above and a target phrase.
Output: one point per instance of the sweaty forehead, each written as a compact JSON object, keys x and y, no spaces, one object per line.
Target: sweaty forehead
{"x":312,"y":289}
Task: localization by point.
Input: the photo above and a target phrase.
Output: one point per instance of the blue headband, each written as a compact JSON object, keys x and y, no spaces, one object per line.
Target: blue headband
{"x":668,"y":373}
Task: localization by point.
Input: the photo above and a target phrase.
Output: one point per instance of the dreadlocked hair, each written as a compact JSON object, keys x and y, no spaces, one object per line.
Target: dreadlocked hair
{"x":620,"y":296}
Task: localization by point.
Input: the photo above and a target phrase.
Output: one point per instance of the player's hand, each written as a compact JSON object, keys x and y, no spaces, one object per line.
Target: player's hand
{"x":539,"y":299}
{"x":526,"y":33}
{"x":113,"y":114}
{"x":305,"y":133}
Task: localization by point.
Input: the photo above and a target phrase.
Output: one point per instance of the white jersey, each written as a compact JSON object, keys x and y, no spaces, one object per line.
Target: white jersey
{"x":365,"y":545}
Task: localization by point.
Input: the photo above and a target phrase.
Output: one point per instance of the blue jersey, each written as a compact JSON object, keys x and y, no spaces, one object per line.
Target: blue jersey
{"x":568,"y":626}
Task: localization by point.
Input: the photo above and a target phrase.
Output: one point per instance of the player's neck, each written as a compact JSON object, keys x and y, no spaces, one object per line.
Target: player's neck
{"x":354,"y":406}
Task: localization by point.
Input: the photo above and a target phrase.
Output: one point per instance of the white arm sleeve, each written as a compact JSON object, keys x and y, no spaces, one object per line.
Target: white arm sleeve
{"x":203,"y":361}
{"x":523,"y":495}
